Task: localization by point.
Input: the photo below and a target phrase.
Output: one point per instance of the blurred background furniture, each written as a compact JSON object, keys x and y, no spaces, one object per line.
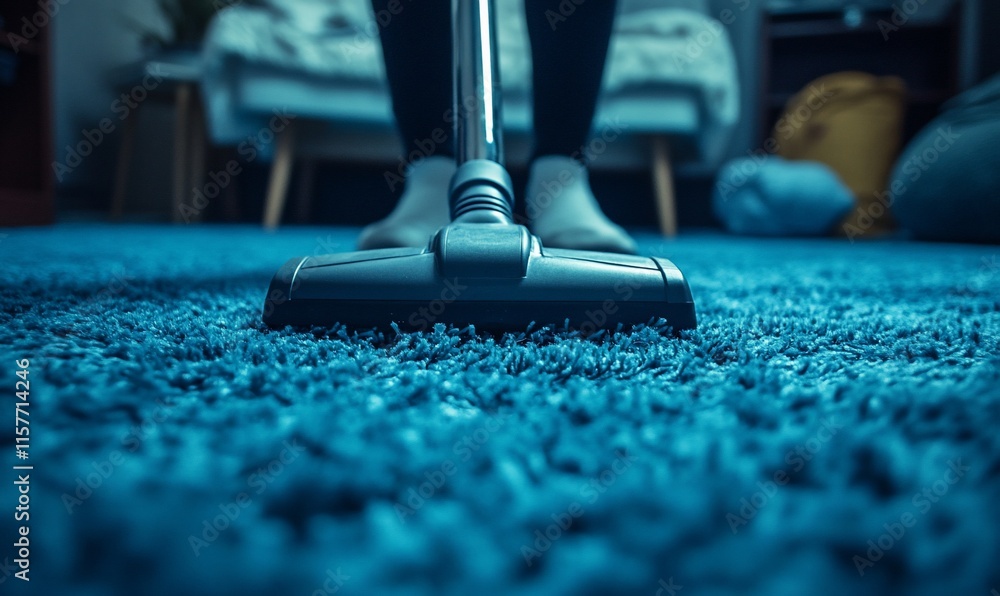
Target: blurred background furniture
{"x":26,"y":174}
{"x":90,"y":41}
{"x":174,"y":78}
{"x":931,"y":45}
{"x":671,"y":91}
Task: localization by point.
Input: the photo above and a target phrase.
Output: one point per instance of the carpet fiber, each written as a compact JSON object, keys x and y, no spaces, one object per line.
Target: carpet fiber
{"x":831,"y":424}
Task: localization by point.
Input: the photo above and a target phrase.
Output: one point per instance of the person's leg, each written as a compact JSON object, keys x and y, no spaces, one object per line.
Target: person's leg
{"x":568,"y":55}
{"x":416,"y":46}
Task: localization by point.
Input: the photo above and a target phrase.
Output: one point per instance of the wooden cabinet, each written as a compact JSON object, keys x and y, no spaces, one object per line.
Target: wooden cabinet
{"x":924,"y":50}
{"x":26,"y":178}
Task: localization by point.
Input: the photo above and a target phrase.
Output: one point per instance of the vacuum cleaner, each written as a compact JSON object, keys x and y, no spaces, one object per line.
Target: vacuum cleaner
{"x":482,"y":269}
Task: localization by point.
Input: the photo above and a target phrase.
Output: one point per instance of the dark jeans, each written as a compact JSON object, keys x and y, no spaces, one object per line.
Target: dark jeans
{"x":568,"y":55}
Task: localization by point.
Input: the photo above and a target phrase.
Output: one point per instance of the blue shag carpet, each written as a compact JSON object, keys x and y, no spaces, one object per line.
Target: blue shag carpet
{"x":831,"y":428}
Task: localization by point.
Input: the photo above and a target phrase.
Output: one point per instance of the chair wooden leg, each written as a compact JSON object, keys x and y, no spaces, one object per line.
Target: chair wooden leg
{"x":123,"y":167}
{"x":281,"y":170}
{"x":663,"y":185}
{"x":304,"y":191}
{"x":197,"y":151}
{"x":182,"y":118}
{"x":231,"y":201}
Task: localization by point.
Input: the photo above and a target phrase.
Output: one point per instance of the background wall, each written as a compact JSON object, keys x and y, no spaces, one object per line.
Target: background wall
{"x":743,"y":21}
{"x":92,"y":41}
{"x":989,"y":27}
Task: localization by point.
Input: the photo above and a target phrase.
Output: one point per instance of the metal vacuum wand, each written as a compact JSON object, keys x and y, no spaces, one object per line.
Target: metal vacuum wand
{"x":476,"y":83}
{"x":481,"y":191}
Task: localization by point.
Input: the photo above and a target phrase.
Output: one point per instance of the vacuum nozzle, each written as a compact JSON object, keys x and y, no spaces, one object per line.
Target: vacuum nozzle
{"x":496,"y":277}
{"x":481,"y":192}
{"x":482,"y":269}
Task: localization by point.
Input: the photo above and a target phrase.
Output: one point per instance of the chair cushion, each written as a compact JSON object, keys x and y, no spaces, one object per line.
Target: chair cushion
{"x":668,"y":47}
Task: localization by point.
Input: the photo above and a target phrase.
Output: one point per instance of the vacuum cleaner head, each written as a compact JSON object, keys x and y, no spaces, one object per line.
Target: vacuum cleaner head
{"x":482,"y":269}
{"x":496,"y":277}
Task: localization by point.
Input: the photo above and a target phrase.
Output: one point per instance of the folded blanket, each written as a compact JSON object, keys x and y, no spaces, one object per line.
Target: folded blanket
{"x":770,"y":196}
{"x":326,"y":42}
